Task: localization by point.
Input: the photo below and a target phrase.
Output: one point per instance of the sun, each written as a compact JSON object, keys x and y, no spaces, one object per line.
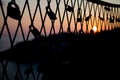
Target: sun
{"x":94,"y":28}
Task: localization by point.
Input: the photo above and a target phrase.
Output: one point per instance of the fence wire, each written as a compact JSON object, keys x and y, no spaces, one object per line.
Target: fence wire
{"x":53,"y":17}
{"x":20,"y":18}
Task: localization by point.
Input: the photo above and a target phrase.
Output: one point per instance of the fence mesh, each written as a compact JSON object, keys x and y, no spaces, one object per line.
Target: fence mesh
{"x":19,"y":17}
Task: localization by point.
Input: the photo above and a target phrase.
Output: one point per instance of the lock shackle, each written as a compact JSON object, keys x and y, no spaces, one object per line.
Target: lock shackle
{"x":13,"y":1}
{"x":48,"y":9}
{"x":13,"y":10}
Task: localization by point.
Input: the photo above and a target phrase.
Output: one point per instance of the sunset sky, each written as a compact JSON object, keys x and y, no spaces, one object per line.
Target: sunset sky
{"x":25,"y":22}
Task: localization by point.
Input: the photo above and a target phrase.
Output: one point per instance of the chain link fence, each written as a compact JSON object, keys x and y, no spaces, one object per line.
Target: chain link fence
{"x":22,"y":20}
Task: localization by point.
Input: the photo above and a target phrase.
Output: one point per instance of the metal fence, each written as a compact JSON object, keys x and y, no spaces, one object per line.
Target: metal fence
{"x":22,"y":20}
{"x":53,"y":17}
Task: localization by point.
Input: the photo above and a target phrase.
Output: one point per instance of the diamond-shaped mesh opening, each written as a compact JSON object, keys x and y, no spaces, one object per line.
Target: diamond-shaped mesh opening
{"x":37,"y":21}
{"x":9,"y":70}
{"x":5,"y":41}
{"x":57,"y":23}
{"x":19,"y":37}
{"x":12,"y":24}
{"x":32,"y":6}
{"x":48,"y":25}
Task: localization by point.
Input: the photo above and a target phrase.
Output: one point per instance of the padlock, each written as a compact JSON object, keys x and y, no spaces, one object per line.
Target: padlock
{"x":88,"y":17}
{"x":107,"y":8}
{"x":101,"y":18}
{"x":50,"y":13}
{"x":111,"y":19}
{"x":34,"y":31}
{"x":79,"y":17}
{"x":68,"y":8}
{"x":117,"y":19}
{"x":13,"y":10}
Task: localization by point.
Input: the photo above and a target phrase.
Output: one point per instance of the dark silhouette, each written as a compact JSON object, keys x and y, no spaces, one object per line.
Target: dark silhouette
{"x":101,"y":18}
{"x":62,"y":43}
{"x":50,"y":13}
{"x":34,"y":31}
{"x":28,"y":72}
{"x":81,"y":31}
{"x":63,"y":56}
{"x":13,"y":10}
{"x":68,"y":56}
{"x":69,"y":29}
{"x":17,"y":77}
{"x":68,"y":8}
{"x":79,"y":15}
{"x":91,"y":31}
{"x":88,"y":17}
{"x":117,"y":19}
{"x":107,"y":8}
{"x":111,"y":19}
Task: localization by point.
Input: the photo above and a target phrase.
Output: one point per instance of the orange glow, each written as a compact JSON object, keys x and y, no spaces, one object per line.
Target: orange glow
{"x":94,"y":28}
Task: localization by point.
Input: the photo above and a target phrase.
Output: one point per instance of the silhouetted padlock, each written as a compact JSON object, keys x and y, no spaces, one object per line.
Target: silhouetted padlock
{"x":50,"y":13}
{"x":107,"y":8}
{"x":68,"y":8}
{"x":101,"y":18}
{"x":34,"y":31}
{"x":79,"y":15}
{"x":88,"y":17}
{"x":111,"y":19}
{"x":117,"y":19}
{"x":13,"y":10}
